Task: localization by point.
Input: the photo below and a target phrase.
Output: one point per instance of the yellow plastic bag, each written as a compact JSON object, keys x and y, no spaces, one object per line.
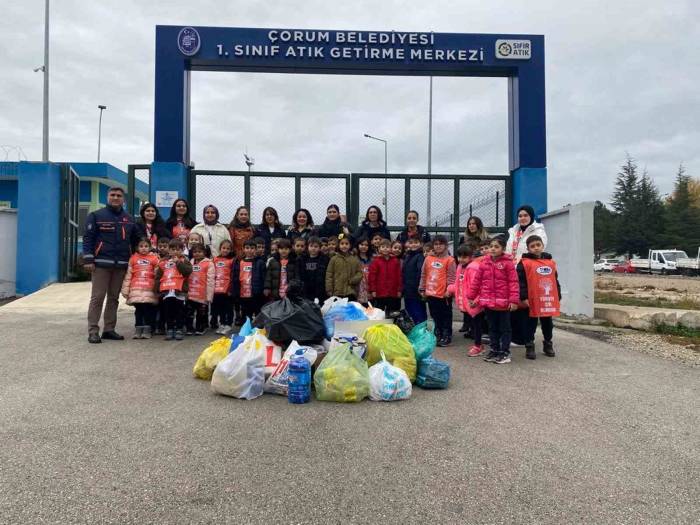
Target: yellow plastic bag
{"x":210,"y":357}
{"x":396,"y":347}
{"x":342,"y":376}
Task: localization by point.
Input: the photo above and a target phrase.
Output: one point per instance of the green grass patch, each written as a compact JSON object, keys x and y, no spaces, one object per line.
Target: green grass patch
{"x":685,"y":303}
{"x":680,"y":335}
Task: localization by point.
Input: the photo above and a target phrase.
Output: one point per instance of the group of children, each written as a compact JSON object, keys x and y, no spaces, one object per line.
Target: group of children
{"x":179,"y":289}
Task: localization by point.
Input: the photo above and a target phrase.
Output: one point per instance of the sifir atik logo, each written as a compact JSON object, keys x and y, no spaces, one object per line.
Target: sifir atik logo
{"x":514,"y":49}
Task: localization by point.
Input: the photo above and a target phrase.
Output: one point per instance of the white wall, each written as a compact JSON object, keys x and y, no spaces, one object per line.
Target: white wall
{"x":8,"y":253}
{"x":570,"y":241}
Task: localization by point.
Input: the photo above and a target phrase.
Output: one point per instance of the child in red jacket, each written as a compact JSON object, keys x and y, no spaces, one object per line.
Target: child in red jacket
{"x":496,"y":286}
{"x":467,"y":269}
{"x":384,"y":281}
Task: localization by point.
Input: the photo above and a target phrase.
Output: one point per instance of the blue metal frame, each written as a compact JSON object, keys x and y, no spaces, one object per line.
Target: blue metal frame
{"x":179,"y":51}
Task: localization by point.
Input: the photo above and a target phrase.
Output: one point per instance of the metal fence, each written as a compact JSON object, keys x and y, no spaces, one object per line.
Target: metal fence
{"x":453,"y":198}
{"x":68,"y":243}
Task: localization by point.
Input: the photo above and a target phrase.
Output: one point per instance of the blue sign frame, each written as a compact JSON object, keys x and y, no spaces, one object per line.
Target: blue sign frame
{"x":520,"y":58}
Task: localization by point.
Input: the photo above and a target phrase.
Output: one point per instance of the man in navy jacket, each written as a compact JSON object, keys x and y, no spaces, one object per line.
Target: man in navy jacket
{"x":109,"y":235}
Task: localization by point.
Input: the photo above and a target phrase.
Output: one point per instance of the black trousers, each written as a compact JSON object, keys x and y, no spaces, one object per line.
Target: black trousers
{"x":197,"y":316}
{"x":174,"y":313}
{"x":160,"y":316}
{"x":222,"y":310}
{"x":388,"y":304}
{"x":499,"y":330}
{"x":441,"y":312}
{"x":145,"y":314}
{"x":547,"y":325}
{"x":250,"y":306}
{"x":477,"y":326}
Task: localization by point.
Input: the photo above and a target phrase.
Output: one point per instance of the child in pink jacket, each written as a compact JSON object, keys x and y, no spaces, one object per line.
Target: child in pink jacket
{"x":467,"y":269}
{"x":497,"y":289}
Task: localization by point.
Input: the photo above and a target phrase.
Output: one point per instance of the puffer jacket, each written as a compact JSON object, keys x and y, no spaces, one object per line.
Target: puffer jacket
{"x":274,"y":273}
{"x":460,"y":289}
{"x":517,"y":239}
{"x":420,"y":233}
{"x":343,"y":275}
{"x":412,"y":267}
{"x":108,"y":238}
{"x":258,"y":280}
{"x":212,"y":236}
{"x":385,"y":277}
{"x":139,"y":285}
{"x":495,"y":283}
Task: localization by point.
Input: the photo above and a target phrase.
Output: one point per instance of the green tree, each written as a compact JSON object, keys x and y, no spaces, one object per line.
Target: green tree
{"x":628,"y":235}
{"x":648,"y":212}
{"x":682,"y":217}
{"x":604,"y":226}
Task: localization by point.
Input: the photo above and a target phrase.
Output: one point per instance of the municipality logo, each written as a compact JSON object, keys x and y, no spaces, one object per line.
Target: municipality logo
{"x":514,"y":49}
{"x":188,"y":41}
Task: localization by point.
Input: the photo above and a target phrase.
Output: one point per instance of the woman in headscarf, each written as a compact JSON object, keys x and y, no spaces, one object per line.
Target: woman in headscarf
{"x":518,"y":234}
{"x":240,"y":230}
{"x":334,"y":224}
{"x":302,"y":225}
{"x":373,"y":224}
{"x":151,"y":225}
{"x":211,"y":230}
{"x":180,"y":222}
{"x":270,"y":228}
{"x":413,"y":229}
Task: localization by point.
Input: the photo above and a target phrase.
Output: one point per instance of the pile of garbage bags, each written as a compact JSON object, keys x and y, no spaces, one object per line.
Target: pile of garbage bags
{"x":381,"y":362}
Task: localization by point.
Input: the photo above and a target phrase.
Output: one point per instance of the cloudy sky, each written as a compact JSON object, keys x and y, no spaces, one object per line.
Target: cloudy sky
{"x":622,"y":77}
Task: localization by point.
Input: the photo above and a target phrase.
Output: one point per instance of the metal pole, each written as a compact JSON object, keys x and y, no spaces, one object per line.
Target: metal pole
{"x":430,"y":151}
{"x":386,"y":203}
{"x":45,"y":146}
{"x":99,"y":135}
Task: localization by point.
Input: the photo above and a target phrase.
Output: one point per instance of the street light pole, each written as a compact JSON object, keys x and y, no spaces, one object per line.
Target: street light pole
{"x":386,"y":164}
{"x":45,"y":145}
{"x":430,"y":152}
{"x":99,"y":132}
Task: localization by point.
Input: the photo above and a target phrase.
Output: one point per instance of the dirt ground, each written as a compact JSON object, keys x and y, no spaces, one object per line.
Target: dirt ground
{"x":671,"y":288}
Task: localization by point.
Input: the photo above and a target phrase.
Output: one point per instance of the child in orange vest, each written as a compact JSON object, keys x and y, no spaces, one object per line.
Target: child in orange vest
{"x":222,"y":304}
{"x":171,"y":282}
{"x":200,"y":290}
{"x":467,"y":269}
{"x":248,"y":281}
{"x":540,"y":292}
{"x":437,"y":275}
{"x":138,"y":288}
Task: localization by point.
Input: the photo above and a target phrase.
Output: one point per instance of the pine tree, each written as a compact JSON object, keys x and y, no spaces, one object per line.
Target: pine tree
{"x":625,"y":186}
{"x":604,"y":224}
{"x":628,"y":236}
{"x":682,"y":217}
{"x":648,"y":212}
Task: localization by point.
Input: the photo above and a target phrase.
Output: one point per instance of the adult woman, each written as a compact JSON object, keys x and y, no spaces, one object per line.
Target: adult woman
{"x":180,"y":222}
{"x":240,"y":230}
{"x":334,"y":224}
{"x":270,"y":227}
{"x":373,"y":224}
{"x":151,"y":224}
{"x":211,"y":230}
{"x":518,"y":234}
{"x":302,"y":225}
{"x":413,"y":229}
{"x":475,"y":231}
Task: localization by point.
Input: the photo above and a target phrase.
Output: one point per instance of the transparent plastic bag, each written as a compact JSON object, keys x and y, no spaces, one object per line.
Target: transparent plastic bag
{"x":433,"y":374}
{"x":423,"y":340}
{"x":342,"y":312}
{"x":331,"y":302}
{"x":342,"y":377}
{"x":241,"y":374}
{"x":210,"y":357}
{"x":374,"y":314}
{"x":277,"y":382}
{"x":388,"y":382}
{"x":389,"y":338}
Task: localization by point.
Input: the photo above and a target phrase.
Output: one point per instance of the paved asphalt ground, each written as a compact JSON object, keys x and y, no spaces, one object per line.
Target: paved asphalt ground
{"x":122,"y":433}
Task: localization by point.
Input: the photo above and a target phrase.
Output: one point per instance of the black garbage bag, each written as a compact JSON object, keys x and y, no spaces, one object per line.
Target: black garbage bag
{"x":403,"y":320}
{"x":292,"y":319}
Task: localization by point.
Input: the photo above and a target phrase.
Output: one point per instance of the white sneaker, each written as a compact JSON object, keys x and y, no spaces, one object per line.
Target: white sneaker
{"x":220,"y":330}
{"x":225,"y":329}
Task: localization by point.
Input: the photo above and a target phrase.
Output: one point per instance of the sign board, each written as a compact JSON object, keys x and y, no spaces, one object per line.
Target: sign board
{"x":165,"y":199}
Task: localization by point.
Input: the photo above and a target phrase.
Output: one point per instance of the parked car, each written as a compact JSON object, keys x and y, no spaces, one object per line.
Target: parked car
{"x":624,"y":267}
{"x":605,"y":265}
{"x":659,"y":261}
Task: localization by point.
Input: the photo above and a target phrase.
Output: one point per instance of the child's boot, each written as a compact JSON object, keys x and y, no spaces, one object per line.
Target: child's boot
{"x":548,"y":349}
{"x":179,"y":335}
{"x":475,"y":351}
{"x":169,"y":335}
{"x":146,"y":332}
{"x":530,"y":350}
{"x":138,"y":332}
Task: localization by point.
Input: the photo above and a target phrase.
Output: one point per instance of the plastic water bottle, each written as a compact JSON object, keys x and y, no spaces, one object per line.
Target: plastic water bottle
{"x":299,"y":379}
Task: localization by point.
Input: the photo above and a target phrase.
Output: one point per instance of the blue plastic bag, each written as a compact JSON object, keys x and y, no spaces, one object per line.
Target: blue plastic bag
{"x":433,"y":374}
{"x":247,"y":328}
{"x":344,"y":312}
{"x":235,"y":341}
{"x":423,"y":340}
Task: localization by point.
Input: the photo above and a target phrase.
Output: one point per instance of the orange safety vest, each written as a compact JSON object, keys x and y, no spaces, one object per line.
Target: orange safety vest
{"x":171,"y":279}
{"x":180,"y":231}
{"x":198,"y":281}
{"x":542,"y":293}
{"x":246,"y":279}
{"x":143,"y":271}
{"x":436,"y":276}
{"x":222,"y":274}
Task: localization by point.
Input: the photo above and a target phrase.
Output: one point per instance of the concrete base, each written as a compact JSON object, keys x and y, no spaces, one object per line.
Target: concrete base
{"x":644,"y":318}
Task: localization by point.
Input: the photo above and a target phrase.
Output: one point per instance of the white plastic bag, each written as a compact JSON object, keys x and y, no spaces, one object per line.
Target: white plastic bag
{"x":388,"y":382}
{"x":374,"y":314}
{"x":242,"y":373}
{"x":277,"y":382}
{"x":331,"y":302}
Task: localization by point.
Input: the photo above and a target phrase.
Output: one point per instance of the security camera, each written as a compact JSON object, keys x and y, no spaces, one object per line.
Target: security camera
{"x":40,"y":68}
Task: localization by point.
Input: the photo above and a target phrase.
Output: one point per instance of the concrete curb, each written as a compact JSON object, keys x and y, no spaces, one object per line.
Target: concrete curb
{"x":645,"y":318}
